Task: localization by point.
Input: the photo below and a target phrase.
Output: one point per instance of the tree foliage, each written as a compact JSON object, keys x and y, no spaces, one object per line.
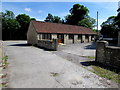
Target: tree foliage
{"x":78,"y":16}
{"x":77,"y":13}
{"x":8,"y":15}
{"x":117,"y":19}
{"x":14,"y":27}
{"x":56,"y":19}
{"x":24,"y":21}
{"x":53,"y":19}
{"x":111,"y":26}
{"x":110,"y":21}
{"x":9,"y":25}
{"x":49,"y":18}
{"x":87,"y":22}
{"x":32,"y":19}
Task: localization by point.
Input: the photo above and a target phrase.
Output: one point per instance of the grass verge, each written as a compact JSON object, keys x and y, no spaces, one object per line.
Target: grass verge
{"x":90,"y":57}
{"x":5,"y":61}
{"x":111,"y":75}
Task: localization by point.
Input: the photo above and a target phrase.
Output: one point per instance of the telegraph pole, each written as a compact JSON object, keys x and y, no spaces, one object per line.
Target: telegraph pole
{"x":97,"y":23}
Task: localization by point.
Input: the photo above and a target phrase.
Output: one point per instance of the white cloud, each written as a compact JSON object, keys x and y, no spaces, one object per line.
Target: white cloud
{"x":40,"y":19}
{"x":28,"y":9}
{"x":101,"y":20}
{"x":40,"y":11}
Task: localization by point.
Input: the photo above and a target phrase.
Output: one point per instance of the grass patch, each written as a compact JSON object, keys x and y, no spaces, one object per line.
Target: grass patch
{"x":54,"y":74}
{"x":111,"y":75}
{"x":90,"y":57}
{"x":5,"y":61}
{"x":3,"y":84}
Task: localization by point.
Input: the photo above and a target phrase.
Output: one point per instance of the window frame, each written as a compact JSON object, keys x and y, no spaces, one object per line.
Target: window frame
{"x":71,"y":36}
{"x":79,"y":36}
{"x":46,"y":36}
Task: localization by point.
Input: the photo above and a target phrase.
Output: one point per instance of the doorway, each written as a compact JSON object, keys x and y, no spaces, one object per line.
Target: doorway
{"x":60,"y":38}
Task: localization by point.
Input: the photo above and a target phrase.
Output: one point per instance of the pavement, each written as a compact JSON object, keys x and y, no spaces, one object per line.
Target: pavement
{"x":32,"y":67}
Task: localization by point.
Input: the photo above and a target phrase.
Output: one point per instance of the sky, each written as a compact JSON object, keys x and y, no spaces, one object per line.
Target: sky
{"x":40,"y":10}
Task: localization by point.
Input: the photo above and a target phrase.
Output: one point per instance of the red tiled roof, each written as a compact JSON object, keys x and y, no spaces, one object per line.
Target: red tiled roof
{"x":47,"y":27}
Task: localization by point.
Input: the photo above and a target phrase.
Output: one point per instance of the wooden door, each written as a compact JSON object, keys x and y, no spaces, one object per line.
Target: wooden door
{"x":60,"y":38}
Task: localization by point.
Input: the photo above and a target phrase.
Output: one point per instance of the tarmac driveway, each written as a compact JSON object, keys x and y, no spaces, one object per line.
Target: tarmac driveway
{"x":81,"y":49}
{"x":32,"y":67}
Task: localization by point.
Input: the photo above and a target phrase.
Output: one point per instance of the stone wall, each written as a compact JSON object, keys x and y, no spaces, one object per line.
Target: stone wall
{"x":108,"y":55}
{"x":67,"y":40}
{"x":119,"y":38}
{"x":32,"y":35}
{"x":1,"y":48}
{"x":48,"y":44}
{"x":1,"y":69}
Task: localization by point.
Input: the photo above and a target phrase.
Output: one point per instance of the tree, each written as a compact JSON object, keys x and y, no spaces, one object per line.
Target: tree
{"x":24,"y":21}
{"x":77,"y":13}
{"x":53,"y":19}
{"x":87,"y":22}
{"x":14,"y":28}
{"x":9,"y":25}
{"x":108,"y":28}
{"x":8,"y":15}
{"x":56,"y":19}
{"x":109,"y":31}
{"x":111,"y":27}
{"x":117,"y":19}
{"x":68,"y":19}
{"x":32,"y":19}
{"x":110,"y":21}
{"x":49,"y":18}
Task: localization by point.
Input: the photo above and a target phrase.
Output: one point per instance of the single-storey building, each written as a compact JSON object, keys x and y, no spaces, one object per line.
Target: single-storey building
{"x":62,"y":32}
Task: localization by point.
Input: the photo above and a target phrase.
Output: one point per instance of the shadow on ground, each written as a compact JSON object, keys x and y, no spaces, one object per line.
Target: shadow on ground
{"x":44,"y":49}
{"x":92,"y":46}
{"x":25,"y":45}
{"x":88,"y":63}
{"x":94,"y":63}
{"x":19,"y":45}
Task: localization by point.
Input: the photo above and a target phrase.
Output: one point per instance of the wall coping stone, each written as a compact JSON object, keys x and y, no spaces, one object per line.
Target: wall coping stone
{"x":113,"y":47}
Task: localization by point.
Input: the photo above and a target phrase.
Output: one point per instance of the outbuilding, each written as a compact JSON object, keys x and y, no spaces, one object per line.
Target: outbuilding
{"x":64,"y":33}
